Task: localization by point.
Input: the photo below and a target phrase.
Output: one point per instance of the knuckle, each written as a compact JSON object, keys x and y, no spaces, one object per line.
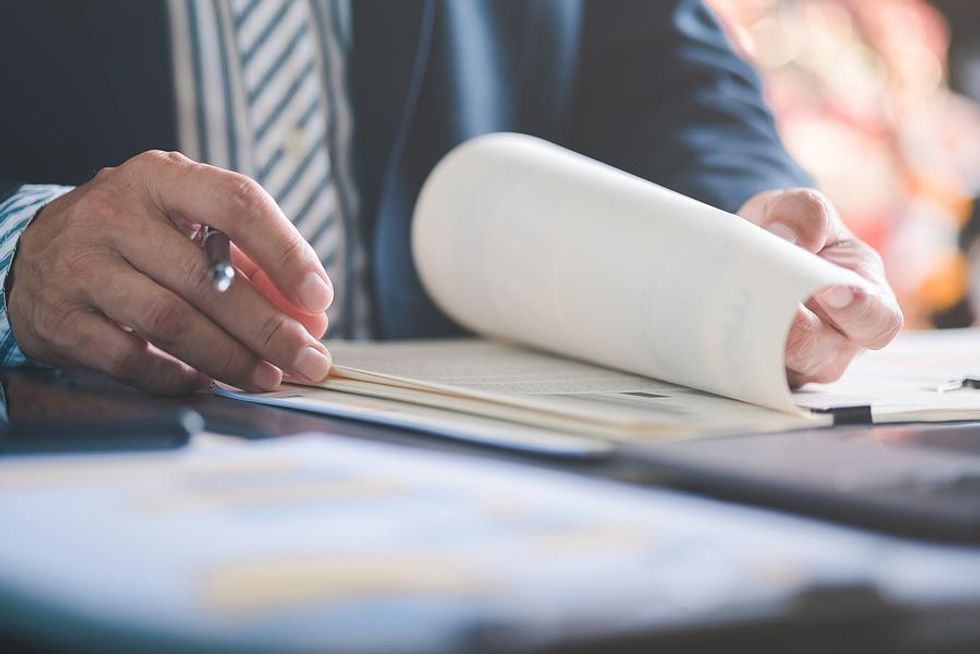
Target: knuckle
{"x":277,"y":328}
{"x":293,"y":255}
{"x":103,"y":173}
{"x":807,"y":212}
{"x":197,"y":276}
{"x":164,"y":318}
{"x":815,"y":212}
{"x":153,"y":158}
{"x":176,"y":157}
{"x":891,"y":325}
{"x":247,"y":195}
{"x":78,"y":261}
{"x":811,"y":198}
{"x":123,"y":362}
{"x":232,"y":366}
{"x":146,"y":158}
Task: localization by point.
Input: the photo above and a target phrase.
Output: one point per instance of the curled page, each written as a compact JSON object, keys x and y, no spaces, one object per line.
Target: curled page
{"x":521,"y":240}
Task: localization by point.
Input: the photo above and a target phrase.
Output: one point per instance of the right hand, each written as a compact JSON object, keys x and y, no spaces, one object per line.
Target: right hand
{"x":108,"y":277}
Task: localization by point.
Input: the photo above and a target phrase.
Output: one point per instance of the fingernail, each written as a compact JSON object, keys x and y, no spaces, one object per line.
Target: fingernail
{"x":266,"y":376}
{"x":837,"y":297}
{"x":783,"y":232}
{"x":312,"y":364}
{"x":315,"y":293}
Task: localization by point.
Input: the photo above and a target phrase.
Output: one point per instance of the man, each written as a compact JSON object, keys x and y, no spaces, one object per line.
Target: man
{"x":292,"y":93}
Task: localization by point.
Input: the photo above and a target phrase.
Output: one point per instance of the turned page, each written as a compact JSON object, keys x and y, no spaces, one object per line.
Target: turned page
{"x":523,"y":241}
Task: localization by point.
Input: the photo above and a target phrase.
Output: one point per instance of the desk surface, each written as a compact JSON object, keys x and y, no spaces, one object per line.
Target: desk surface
{"x":925,"y":598}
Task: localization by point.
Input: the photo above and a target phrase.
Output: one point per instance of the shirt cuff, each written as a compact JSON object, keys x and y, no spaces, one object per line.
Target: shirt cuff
{"x":16,"y":213}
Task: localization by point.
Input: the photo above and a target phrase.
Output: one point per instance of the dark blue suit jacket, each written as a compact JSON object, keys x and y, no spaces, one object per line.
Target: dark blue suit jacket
{"x":649,"y":86}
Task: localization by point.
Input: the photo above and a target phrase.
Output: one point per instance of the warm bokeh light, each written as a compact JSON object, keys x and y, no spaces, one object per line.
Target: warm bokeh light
{"x":861,"y":94}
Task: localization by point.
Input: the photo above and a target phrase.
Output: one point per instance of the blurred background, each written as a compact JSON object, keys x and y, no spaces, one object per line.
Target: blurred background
{"x":878,"y":99}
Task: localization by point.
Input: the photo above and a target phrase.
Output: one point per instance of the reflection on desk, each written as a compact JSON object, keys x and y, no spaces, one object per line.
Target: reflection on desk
{"x":317,"y":542}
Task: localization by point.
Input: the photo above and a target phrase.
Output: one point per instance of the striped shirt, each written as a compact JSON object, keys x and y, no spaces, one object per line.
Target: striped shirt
{"x":216,"y":124}
{"x":16,"y":213}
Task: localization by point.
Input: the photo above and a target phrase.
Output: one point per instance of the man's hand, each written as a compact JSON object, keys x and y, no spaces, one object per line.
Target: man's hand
{"x":837,"y":323}
{"x":107,"y":277}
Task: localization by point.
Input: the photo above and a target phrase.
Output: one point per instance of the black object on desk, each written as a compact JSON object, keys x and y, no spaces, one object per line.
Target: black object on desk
{"x":167,"y":430}
{"x":914,"y":480}
{"x":44,"y":413}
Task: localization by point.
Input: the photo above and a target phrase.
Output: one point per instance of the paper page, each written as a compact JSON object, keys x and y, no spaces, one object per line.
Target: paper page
{"x":536,"y":388}
{"x":433,"y":420}
{"x":909,"y":379}
{"x":519,"y":239}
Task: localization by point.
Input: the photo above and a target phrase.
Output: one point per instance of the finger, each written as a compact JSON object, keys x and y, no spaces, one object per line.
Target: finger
{"x":242,"y":261}
{"x":315,"y":323}
{"x":867,"y":318}
{"x":101,"y":345}
{"x":815,"y":351}
{"x":858,"y":256}
{"x":169,"y":322}
{"x":190,"y":192}
{"x":801,"y":216}
{"x":176,"y":263}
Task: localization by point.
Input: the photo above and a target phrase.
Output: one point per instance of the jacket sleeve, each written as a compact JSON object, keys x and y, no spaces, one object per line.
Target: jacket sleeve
{"x":661,"y":93}
{"x":17,"y":208}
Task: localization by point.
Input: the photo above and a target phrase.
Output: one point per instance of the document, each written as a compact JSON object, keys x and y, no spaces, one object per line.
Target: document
{"x":551,"y":392}
{"x":608,"y":307}
{"x":523,"y":241}
{"x":481,"y":427}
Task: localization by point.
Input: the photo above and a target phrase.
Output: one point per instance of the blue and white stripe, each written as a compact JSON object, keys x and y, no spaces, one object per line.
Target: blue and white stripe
{"x":16,"y":213}
{"x":262,"y":89}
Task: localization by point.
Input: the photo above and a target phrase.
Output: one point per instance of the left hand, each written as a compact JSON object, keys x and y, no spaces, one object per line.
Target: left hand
{"x":838,"y":322}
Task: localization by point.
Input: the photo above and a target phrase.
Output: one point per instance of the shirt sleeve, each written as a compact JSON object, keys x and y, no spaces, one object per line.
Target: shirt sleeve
{"x":16,"y":212}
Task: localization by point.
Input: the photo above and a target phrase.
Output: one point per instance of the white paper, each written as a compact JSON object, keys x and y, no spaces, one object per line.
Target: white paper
{"x":470,"y":427}
{"x":521,"y":240}
{"x":515,"y":384}
{"x":903,"y":382}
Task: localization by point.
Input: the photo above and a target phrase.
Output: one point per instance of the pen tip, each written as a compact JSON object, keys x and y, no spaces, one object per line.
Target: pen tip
{"x":222,"y":275}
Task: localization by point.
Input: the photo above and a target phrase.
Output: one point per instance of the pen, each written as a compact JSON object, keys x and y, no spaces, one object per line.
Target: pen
{"x":957,"y":384}
{"x":218,"y":250}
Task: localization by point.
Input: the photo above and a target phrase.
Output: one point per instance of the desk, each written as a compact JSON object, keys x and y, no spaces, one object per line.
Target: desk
{"x":934,"y":608}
